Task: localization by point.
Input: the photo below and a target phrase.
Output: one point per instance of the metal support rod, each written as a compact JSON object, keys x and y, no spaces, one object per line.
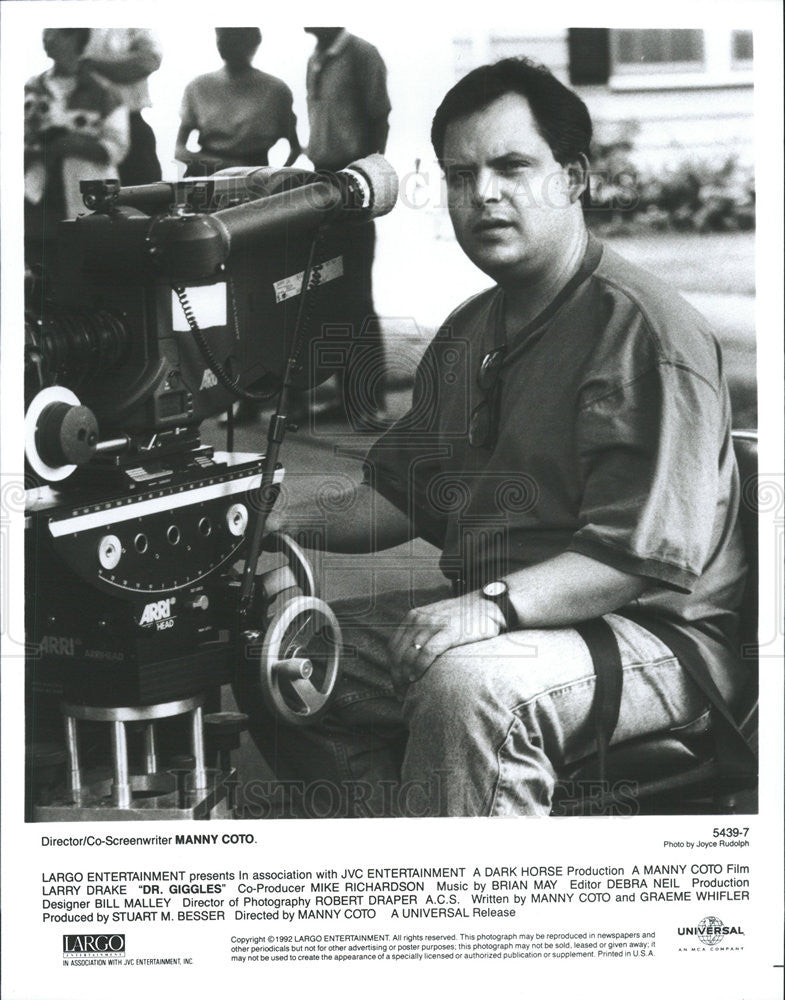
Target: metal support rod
{"x":275,"y":435}
{"x":150,"y":753}
{"x":197,"y":748}
{"x":72,"y":743}
{"x":111,"y":445}
{"x":121,"y":788}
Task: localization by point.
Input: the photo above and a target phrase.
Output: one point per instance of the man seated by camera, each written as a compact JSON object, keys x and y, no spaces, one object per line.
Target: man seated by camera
{"x":568,"y":449}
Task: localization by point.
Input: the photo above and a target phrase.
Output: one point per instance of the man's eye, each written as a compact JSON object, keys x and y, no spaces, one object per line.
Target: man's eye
{"x":459,"y":177}
{"x":513,"y":166}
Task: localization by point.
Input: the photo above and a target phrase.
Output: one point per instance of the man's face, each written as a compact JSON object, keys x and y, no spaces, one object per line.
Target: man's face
{"x":236,"y":48}
{"x":509,"y":200}
{"x":61,"y":45}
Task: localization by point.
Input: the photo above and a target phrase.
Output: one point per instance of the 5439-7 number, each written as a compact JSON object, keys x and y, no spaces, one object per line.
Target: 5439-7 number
{"x":730,"y":831}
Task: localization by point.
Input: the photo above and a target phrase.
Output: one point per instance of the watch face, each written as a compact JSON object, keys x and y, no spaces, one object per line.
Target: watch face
{"x":495,"y":589}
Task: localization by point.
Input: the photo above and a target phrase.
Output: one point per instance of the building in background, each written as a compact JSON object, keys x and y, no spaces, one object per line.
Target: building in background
{"x":689,"y":90}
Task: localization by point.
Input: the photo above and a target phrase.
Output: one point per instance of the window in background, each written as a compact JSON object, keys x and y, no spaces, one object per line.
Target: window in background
{"x":589,"y":55}
{"x":657,"y":50}
{"x":741,"y":49}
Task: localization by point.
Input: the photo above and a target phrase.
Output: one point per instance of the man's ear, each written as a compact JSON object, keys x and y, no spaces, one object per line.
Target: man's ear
{"x":578,"y":177}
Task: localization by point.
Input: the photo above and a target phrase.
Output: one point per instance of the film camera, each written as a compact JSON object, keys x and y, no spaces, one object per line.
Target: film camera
{"x":154,"y":312}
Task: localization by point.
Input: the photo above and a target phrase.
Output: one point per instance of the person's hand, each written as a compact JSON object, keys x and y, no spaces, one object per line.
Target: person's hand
{"x":73,"y":144}
{"x":427,"y":632}
{"x":276,"y":521}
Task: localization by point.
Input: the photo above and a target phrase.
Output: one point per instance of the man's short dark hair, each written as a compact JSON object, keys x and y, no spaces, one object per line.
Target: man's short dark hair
{"x":562,"y":118}
{"x":80,"y":35}
{"x":247,"y":36}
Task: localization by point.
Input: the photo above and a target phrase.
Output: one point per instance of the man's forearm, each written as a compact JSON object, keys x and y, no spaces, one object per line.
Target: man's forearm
{"x":359,"y":520}
{"x":294,"y":148}
{"x":570,"y":588}
{"x":135,"y":65}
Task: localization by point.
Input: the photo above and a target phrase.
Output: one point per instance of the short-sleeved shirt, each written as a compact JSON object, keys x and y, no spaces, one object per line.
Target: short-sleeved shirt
{"x":347,"y":91}
{"x":119,"y":43}
{"x":238,"y":116}
{"x":614,"y":442}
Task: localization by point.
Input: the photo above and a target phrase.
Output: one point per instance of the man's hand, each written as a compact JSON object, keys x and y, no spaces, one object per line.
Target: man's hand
{"x":209,"y":164}
{"x":82,"y":146}
{"x":427,"y":632}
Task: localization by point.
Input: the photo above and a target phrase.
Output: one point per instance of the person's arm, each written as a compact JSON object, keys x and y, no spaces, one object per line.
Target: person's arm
{"x":377,"y":100}
{"x":74,"y":144}
{"x":649,"y":481}
{"x":142,"y":58}
{"x":559,"y":592}
{"x":111,"y":147}
{"x":570,"y":588}
{"x":116,"y":135}
{"x":358,"y":520}
{"x":181,"y":151}
{"x":294,"y":144}
{"x":287,"y":125}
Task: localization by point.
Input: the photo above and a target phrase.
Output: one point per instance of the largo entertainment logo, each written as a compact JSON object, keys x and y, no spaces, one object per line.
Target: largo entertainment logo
{"x":93,"y":944}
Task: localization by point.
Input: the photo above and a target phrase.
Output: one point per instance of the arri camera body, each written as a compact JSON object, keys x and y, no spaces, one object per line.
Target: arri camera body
{"x":144,"y":592}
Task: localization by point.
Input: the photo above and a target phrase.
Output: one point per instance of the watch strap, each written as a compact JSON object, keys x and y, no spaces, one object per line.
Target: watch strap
{"x":505,"y":605}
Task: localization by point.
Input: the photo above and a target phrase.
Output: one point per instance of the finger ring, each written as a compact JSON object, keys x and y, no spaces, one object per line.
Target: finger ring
{"x":417,"y":645}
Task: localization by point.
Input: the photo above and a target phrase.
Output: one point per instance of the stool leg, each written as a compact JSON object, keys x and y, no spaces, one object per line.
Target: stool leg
{"x":72,"y":743}
{"x":197,"y":748}
{"x":150,"y":752}
{"x":121,"y":789}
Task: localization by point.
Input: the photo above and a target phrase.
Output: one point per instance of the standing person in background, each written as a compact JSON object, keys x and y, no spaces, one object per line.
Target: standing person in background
{"x":238,"y":111}
{"x":126,"y":57}
{"x":348,"y":110}
{"x":75,"y":129}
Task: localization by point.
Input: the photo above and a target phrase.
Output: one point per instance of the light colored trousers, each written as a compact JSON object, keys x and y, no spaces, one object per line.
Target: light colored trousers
{"x":484,"y":731}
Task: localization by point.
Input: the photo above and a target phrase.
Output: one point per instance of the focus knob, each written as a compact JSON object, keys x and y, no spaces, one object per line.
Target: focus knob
{"x":66,"y":435}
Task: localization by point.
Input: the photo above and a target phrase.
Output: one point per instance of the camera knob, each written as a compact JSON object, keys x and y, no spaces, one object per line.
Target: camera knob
{"x":66,"y":434}
{"x":237,"y":519}
{"x":110,"y":550}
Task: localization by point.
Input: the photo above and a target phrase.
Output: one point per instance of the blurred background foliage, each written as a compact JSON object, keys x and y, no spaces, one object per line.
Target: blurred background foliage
{"x":687,"y":195}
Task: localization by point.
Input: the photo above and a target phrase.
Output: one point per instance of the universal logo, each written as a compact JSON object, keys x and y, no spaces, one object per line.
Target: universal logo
{"x":710,"y":931}
{"x":96,"y":944}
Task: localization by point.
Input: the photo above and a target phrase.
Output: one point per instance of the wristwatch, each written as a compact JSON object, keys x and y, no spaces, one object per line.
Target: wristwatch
{"x":498,"y":592}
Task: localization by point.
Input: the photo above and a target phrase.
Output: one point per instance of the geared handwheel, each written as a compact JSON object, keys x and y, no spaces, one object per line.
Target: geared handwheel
{"x":296,"y":573}
{"x":298,"y":665}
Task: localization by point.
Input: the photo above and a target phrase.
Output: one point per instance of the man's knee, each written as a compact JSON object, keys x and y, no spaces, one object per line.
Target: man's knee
{"x":448,"y":688}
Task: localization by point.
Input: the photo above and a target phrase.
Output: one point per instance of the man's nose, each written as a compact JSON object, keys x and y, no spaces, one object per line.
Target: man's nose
{"x":486,"y":186}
